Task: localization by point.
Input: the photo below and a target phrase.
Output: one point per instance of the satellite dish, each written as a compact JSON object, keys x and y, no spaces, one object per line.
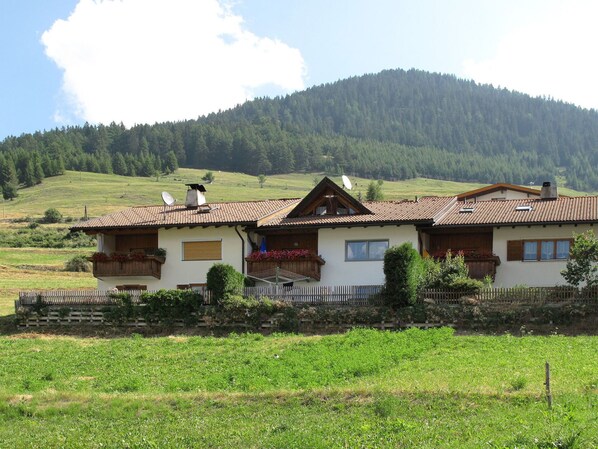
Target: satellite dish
{"x":168,"y":199}
{"x":347,"y":182}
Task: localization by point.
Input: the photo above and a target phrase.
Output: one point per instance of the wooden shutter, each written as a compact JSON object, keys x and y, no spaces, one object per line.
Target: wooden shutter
{"x":515,"y":250}
{"x":211,"y":250}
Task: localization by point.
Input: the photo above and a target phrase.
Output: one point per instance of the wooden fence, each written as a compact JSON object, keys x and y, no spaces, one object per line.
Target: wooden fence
{"x":515,"y":295}
{"x":344,"y":295}
{"x":349,"y":295}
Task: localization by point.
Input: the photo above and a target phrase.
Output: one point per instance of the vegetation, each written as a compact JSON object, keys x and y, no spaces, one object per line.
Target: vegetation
{"x":450,"y":273}
{"x":78,"y":263}
{"x":374,"y":192}
{"x":223,"y":280}
{"x":44,"y":237}
{"x":393,"y":125}
{"x":52,"y":215}
{"x":365,"y":388}
{"x":403,"y":272}
{"x":582,"y":268}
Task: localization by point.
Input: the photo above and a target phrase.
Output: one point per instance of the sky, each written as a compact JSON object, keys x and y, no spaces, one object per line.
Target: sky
{"x":68,"y":62}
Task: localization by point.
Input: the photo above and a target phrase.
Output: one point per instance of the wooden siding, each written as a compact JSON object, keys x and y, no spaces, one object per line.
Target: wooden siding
{"x":151,"y":266}
{"x":125,"y":243}
{"x":480,"y":242}
{"x":309,"y":241}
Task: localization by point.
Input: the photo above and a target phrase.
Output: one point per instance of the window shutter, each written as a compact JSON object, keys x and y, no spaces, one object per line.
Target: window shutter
{"x":211,"y":250}
{"x":515,"y":250}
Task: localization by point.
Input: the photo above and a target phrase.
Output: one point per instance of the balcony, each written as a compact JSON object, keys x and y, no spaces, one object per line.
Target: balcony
{"x":124,"y":265}
{"x":479,"y":263}
{"x":480,"y":267}
{"x":292,"y":262}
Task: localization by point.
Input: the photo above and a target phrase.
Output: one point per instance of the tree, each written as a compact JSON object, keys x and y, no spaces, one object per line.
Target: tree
{"x":209,"y":177}
{"x":374,"y":192}
{"x":171,"y":164}
{"x":403,"y":273}
{"x":52,"y":215}
{"x":262,"y":180}
{"x":119,"y":165}
{"x":582,"y":265}
{"x":8,"y":178}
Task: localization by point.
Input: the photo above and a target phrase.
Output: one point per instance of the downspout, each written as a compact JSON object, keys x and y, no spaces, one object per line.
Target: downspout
{"x":242,"y":249}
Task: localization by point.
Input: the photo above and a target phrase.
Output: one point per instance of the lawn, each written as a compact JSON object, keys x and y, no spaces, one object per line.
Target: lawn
{"x":424,"y":389}
{"x":38,"y":269}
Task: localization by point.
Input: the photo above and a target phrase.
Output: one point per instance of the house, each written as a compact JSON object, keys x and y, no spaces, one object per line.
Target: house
{"x":331,"y":238}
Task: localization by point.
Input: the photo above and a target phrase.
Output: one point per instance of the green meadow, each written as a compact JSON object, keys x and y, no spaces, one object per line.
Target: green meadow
{"x":362,"y":389}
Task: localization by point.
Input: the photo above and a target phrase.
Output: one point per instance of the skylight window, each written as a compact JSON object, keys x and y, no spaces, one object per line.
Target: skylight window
{"x":466,"y":210}
{"x":525,"y":208}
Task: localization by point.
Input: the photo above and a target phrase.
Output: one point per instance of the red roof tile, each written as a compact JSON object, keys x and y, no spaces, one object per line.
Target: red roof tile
{"x":249,"y":212}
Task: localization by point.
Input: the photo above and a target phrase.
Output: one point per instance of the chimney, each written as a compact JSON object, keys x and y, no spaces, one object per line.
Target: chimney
{"x":548,"y":191}
{"x":195,"y":196}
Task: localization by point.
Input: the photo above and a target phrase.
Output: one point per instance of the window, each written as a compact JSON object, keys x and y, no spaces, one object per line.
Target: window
{"x":534,"y":250}
{"x":207,"y":250}
{"x":357,"y":250}
{"x":530,"y":250}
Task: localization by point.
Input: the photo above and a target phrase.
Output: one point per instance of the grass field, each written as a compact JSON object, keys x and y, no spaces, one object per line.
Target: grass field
{"x":38,"y":269}
{"x":370,"y":389}
{"x":102,"y":194}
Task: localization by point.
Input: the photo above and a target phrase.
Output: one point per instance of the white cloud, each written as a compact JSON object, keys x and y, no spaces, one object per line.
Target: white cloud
{"x":554,"y":56}
{"x":146,"y":61}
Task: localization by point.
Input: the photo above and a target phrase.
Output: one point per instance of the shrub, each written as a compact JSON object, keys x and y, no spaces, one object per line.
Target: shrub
{"x":168,"y":305}
{"x":78,"y":263}
{"x":403,"y":274}
{"x":582,"y":268}
{"x":52,"y":215}
{"x":450,"y":273}
{"x":223,"y":280}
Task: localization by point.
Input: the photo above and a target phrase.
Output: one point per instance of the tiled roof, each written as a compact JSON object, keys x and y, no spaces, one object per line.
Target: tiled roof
{"x":249,"y":212}
{"x":561,"y":210}
{"x":426,"y":209}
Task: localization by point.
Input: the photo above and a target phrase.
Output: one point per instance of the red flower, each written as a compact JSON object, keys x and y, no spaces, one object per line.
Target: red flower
{"x":285,"y":254}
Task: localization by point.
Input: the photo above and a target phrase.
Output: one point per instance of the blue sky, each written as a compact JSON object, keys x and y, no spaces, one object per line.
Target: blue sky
{"x":65,"y":62}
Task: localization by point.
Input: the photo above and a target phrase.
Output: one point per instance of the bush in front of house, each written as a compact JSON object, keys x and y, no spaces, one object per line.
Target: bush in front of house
{"x":223,"y":280}
{"x":450,"y":273}
{"x":78,"y":263}
{"x":582,"y":266}
{"x":403,"y":272}
{"x":165,"y":306}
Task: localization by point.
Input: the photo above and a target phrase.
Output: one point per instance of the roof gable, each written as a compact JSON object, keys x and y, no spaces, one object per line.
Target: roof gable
{"x":495,"y":187}
{"x":330,"y":197}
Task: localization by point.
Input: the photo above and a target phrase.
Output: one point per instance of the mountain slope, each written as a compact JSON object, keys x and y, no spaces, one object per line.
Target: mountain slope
{"x":395,"y":125}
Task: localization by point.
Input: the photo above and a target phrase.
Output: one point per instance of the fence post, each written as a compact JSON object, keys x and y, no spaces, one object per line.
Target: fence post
{"x":547,"y":383}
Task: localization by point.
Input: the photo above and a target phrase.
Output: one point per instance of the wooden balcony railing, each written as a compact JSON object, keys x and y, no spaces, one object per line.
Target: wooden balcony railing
{"x":308,"y":266}
{"x":479,"y":268}
{"x":150,"y":266}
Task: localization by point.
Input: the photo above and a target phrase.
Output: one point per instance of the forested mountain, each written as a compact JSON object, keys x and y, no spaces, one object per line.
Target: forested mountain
{"x":394,"y":125}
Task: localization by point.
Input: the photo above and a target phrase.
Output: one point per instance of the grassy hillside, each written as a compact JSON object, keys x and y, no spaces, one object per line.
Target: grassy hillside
{"x":37,"y":268}
{"x":363,"y":389}
{"x":102,"y":194}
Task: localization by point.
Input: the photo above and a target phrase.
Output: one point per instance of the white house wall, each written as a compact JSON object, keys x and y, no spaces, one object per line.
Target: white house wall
{"x":175,"y":270}
{"x":544,"y":273}
{"x":337,"y":271}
